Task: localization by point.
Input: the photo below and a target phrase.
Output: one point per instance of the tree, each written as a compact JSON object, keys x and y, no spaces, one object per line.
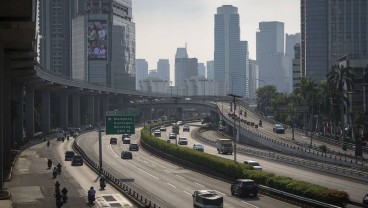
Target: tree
{"x":264,"y":97}
{"x":339,"y":79}
{"x":307,"y":89}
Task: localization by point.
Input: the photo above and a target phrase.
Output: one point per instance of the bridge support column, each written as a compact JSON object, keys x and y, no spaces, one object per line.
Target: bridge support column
{"x":2,"y":138}
{"x":45,"y":112}
{"x":76,"y":110}
{"x":64,"y":109}
{"x":97,"y":109}
{"x":105,"y":102}
{"x":29,"y":110}
{"x":90,"y":109}
{"x":18,"y":123}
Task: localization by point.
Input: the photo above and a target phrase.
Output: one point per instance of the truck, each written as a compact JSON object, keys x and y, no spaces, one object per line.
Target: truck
{"x":207,"y":199}
{"x":224,"y":146}
{"x":175,"y":128}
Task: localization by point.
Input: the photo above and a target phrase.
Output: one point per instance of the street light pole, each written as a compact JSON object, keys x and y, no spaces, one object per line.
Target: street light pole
{"x":234,"y":126}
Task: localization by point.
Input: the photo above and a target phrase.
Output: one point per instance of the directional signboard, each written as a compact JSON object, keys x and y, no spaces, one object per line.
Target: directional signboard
{"x":118,"y":123}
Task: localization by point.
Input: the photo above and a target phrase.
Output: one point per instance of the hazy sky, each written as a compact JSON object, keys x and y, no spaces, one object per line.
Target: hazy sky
{"x":164,"y":25}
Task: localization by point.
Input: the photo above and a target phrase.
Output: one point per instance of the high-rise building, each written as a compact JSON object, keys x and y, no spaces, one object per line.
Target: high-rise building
{"x":163,"y":69}
{"x":290,"y":41}
{"x":141,"y":71}
{"x":181,"y":53}
{"x":185,"y":68}
{"x":272,"y":63}
{"x":243,"y":87}
{"x":96,"y":58}
{"x":297,"y":73}
{"x":201,"y":69}
{"x":253,"y":79}
{"x":331,"y":29}
{"x":55,"y":36}
{"x":210,"y":70}
{"x":228,"y":56}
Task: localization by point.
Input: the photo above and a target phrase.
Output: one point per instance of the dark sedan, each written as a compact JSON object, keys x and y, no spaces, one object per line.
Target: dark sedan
{"x":278,"y":128}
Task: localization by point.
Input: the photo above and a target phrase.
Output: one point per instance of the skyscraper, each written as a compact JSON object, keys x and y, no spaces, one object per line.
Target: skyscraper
{"x":210,"y":70}
{"x":253,"y":79}
{"x":96,"y":56}
{"x":141,"y":71}
{"x":163,"y":69}
{"x":272,"y":63}
{"x":228,"y":69}
{"x":181,"y":53}
{"x":331,"y":29}
{"x":290,"y":41}
{"x":201,"y":69}
{"x":185,"y":68}
{"x":55,"y":39}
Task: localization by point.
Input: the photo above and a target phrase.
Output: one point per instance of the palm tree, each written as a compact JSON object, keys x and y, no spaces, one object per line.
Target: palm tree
{"x":307,"y":89}
{"x":339,"y":79}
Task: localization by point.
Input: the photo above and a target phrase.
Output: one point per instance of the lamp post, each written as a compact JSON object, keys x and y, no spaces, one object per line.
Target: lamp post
{"x":234,"y":127}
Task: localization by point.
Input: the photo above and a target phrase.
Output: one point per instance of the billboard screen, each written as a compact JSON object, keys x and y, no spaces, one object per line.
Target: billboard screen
{"x":97,"y":39}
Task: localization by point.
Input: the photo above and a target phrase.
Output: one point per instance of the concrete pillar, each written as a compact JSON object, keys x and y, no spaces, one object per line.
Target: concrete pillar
{"x":18,"y":123}
{"x":1,"y":116}
{"x":64,"y":109}
{"x":76,"y":110}
{"x":45,"y":112}
{"x":7,"y":114}
{"x":29,"y":110}
{"x":97,"y":109}
{"x":90,"y":109}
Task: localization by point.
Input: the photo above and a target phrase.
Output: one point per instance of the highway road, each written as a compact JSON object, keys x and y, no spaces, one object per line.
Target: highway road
{"x":266,"y":130}
{"x":356,"y":189}
{"x":167,"y":184}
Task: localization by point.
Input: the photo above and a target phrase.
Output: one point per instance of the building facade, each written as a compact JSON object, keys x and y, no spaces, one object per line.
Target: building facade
{"x":55,"y":36}
{"x":198,"y":86}
{"x":273,"y":65}
{"x":228,"y":56}
{"x":154,"y":84}
{"x":210,"y":70}
{"x":297,"y":72}
{"x":185,"y":68}
{"x":253,"y":79}
{"x":201,"y":69}
{"x":331,"y":29}
{"x":95,"y":59}
{"x":141,"y":71}
{"x":163,"y":69}
{"x":290,"y":41}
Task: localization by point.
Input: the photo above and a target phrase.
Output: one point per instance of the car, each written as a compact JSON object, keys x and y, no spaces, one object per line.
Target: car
{"x":69,"y":155}
{"x":126,"y":155}
{"x":186,"y":128}
{"x":126,"y":140}
{"x":133,"y":147}
{"x":182,"y":141}
{"x":278,"y":128}
{"x":163,"y":128}
{"x":187,"y":99}
{"x":157,"y":133}
{"x":207,"y":198}
{"x":77,"y":160}
{"x":60,"y":136}
{"x":198,"y":147}
{"x":179,"y":123}
{"x":113,"y":140}
{"x":172,"y":136}
{"x":244,"y":187}
{"x":126,"y":136}
{"x":254,"y":164}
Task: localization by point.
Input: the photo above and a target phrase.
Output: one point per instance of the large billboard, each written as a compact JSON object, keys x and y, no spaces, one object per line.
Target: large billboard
{"x":97,"y":39}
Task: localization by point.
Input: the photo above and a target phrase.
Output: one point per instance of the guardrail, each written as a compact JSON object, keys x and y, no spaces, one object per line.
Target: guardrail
{"x":138,"y":198}
{"x":360,"y":175}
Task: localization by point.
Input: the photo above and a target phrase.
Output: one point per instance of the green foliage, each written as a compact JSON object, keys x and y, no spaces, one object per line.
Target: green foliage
{"x":238,"y":170}
{"x":264,"y":97}
{"x":323,"y":148}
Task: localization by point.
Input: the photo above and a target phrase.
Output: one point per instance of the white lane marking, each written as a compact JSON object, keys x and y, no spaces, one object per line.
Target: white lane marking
{"x":249,"y":204}
{"x":137,"y":167}
{"x":180,"y":176}
{"x":116,"y":155}
{"x":154,"y":165}
{"x":146,"y":161}
{"x":171,"y":185}
{"x":199,"y":184}
{"x":167,"y":171}
{"x":221,"y":193}
{"x":187,"y":193}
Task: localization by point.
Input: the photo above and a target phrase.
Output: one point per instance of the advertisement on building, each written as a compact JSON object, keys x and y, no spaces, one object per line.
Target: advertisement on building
{"x":97,"y":39}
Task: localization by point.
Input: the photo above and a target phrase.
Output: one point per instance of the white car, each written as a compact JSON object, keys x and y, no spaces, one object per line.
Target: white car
{"x":254,"y":164}
{"x":182,"y":141}
{"x":198,"y":147}
{"x":179,"y":123}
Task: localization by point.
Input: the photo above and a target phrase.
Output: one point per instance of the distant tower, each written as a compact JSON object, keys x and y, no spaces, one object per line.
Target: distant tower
{"x":228,"y":68}
{"x":210,"y":69}
{"x":181,"y":53}
{"x":163,"y":69}
{"x":201,"y":69}
{"x":141,"y":71}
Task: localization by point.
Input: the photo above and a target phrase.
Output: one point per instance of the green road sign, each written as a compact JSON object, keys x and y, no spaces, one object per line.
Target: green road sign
{"x":118,"y":124}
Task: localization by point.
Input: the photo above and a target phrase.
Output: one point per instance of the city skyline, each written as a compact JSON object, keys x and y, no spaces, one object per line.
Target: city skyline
{"x":197,"y":17}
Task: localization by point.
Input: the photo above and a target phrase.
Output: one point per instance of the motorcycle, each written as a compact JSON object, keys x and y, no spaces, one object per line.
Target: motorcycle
{"x":49,"y":163}
{"x":260,"y":123}
{"x":54,"y":173}
{"x":58,"y":169}
{"x":102,"y":185}
{"x":91,"y":199}
{"x":64,"y":197}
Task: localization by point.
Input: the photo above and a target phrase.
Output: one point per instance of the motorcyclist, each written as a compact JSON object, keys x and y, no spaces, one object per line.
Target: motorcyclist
{"x":57,"y":187}
{"x":54,"y":172}
{"x":58,"y":168}
{"x":58,"y":197}
{"x":64,"y":193}
{"x":48,"y":143}
{"x":49,"y":163}
{"x":102,"y":183}
{"x":260,"y":123}
{"x":91,"y":195}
